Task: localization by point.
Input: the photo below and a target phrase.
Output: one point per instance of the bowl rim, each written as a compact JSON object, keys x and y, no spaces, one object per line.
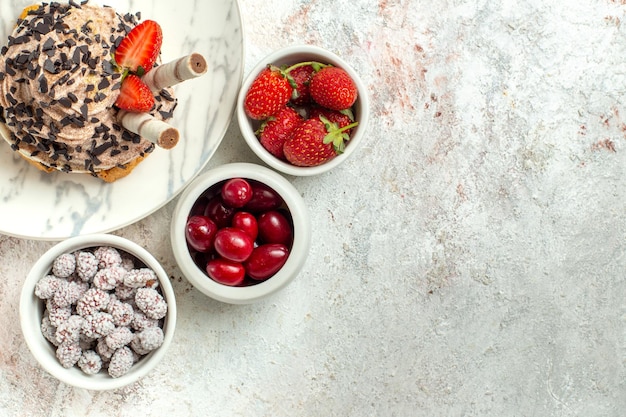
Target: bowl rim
{"x":42,"y":349}
{"x":279,"y":57}
{"x":298,"y":253}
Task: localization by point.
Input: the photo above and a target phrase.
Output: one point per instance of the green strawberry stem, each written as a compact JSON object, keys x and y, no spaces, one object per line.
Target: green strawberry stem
{"x":337,"y":136}
{"x":316,"y":66}
{"x":284,"y":71}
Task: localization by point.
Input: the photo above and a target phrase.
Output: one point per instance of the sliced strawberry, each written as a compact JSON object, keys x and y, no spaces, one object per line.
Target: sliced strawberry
{"x":135,"y":96}
{"x":140,"y":49}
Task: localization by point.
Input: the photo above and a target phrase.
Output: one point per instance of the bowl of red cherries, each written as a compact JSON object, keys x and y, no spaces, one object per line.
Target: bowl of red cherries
{"x":240,"y":232}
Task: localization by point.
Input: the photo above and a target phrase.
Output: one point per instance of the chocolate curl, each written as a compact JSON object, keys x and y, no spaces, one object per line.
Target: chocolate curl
{"x":174,"y":72}
{"x":150,"y":128}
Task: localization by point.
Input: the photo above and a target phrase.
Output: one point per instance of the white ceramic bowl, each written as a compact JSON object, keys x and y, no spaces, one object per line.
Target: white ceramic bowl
{"x":32,"y":308}
{"x":301,"y":234}
{"x":293,"y":55}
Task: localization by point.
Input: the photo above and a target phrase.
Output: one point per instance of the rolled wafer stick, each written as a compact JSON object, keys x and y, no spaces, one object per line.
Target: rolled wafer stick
{"x":174,"y":72}
{"x":150,"y":128}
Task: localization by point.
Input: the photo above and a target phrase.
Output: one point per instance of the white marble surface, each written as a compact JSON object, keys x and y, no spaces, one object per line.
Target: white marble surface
{"x":58,"y":206}
{"x":468,"y":261}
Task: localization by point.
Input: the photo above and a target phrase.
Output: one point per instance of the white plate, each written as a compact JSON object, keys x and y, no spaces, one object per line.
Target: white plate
{"x":55,"y":206}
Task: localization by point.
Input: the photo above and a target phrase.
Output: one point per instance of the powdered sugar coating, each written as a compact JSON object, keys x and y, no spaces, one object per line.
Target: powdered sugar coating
{"x":119,"y":337}
{"x":68,"y":354}
{"x":69,"y":292}
{"x":57,"y":314}
{"x":122,"y":312}
{"x":110,"y":277}
{"x":93,"y":300}
{"x":150,"y":338}
{"x":107,"y":256}
{"x":121,"y":362}
{"x":141,"y":321}
{"x":125,"y":293}
{"x":48,"y":330}
{"x":47,"y":286}
{"x":64,"y":265}
{"x":86,"y":265}
{"x":128,"y":262}
{"x":151,"y":303}
{"x":69,"y":331}
{"x":141,"y":277}
{"x":90,"y":362}
{"x":104,"y":350}
{"x":98,"y":324}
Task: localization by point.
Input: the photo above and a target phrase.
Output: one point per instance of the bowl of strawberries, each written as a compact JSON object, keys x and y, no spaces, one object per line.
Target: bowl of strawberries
{"x":303,"y":110}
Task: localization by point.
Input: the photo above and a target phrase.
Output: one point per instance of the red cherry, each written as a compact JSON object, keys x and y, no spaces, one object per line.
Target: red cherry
{"x":226,"y":272}
{"x":233,"y":244}
{"x":246,"y":222}
{"x":274,"y":228}
{"x":263,"y":198}
{"x":266,"y":260}
{"x":200,"y":232}
{"x":236,"y":192}
{"x":217,"y":211}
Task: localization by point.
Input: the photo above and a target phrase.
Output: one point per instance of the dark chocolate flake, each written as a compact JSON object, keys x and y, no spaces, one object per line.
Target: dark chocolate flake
{"x":84,"y":111}
{"x":104,"y":83}
{"x":50,"y":67}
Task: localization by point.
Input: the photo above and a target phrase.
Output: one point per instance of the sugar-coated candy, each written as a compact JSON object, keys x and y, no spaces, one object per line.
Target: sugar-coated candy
{"x":47,"y":286}
{"x":86,"y":265}
{"x":121,"y":362}
{"x":104,"y":350}
{"x":125,"y":293}
{"x":64,"y":265}
{"x":122,"y":312}
{"x":69,"y":292}
{"x":141,"y":321}
{"x":150,"y":338}
{"x":119,"y":337}
{"x":68,"y":354}
{"x":102,"y":310}
{"x":48,"y":330}
{"x":141,"y":277}
{"x":93,"y":300}
{"x":128,"y":262}
{"x":90,"y":362}
{"x":151,"y":303}
{"x":69,"y":331}
{"x":108,"y":278}
{"x":107,"y":256}
{"x":56,"y":313}
{"x":98,"y":324}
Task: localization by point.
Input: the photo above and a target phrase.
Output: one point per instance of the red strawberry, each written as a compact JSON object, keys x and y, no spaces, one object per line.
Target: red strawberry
{"x":274,"y":132}
{"x":341,"y":118}
{"x":135,"y":96}
{"x":302,"y":77}
{"x":140,"y":49}
{"x":268,"y":94}
{"x":333,"y":87}
{"x":315,"y":141}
